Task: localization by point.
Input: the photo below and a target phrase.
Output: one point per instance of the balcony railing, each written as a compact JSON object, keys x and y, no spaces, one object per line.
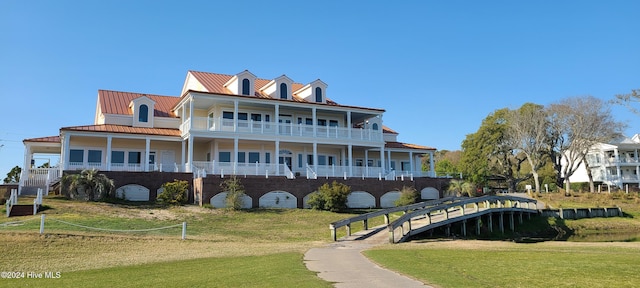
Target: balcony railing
{"x":282,"y":129}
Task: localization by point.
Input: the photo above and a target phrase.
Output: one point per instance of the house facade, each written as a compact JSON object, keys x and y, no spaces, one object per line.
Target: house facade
{"x":615,"y":163}
{"x":232,"y":125}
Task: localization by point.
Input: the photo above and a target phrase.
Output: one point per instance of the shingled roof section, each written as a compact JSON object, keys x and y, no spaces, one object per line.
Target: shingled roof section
{"x":400,"y":145}
{"x":49,"y":139}
{"x":110,"y":128}
{"x":214,"y":83}
{"x":116,"y":102}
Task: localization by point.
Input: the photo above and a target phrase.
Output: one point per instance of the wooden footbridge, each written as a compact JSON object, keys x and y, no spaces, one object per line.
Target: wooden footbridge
{"x":425,"y":216}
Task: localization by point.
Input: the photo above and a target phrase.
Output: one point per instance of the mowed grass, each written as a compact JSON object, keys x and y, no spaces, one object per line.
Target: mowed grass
{"x":273,"y":270}
{"x":504,"y":264}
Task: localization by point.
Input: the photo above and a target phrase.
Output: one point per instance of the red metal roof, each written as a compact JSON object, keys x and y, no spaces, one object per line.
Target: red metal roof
{"x":214,"y":83}
{"x":116,"y":102}
{"x":110,"y":128}
{"x":400,"y":145}
{"x":50,"y":139}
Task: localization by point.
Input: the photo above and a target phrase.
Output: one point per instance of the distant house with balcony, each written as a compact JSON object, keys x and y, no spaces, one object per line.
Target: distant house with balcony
{"x":232,"y":125}
{"x":615,"y":163}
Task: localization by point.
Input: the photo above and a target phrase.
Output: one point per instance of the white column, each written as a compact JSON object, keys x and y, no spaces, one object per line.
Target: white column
{"x":189,"y":154}
{"x":109,"y":138}
{"x":315,"y":156}
{"x":350,"y":152}
{"x":315,"y":123}
{"x":235,"y":115}
{"x":349,"y":125}
{"x":147,"y":145}
{"x":366,"y":162}
{"x":382,"y":162}
{"x":389,"y":157}
{"x":277,"y":121}
{"x":182,"y":156}
{"x":234,"y":157}
{"x":411,"y":168}
{"x":191,"y":110}
{"x":431,"y":164}
{"x":65,"y":151}
{"x":618,"y":172}
{"x":277,"y":155}
{"x":27,"y":157}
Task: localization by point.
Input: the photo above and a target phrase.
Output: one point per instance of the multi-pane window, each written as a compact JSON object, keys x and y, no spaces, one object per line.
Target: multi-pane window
{"x":76,"y":155}
{"x":318,"y":94}
{"x":242,"y":157}
{"x":135,"y":157}
{"x":143,"y":114}
{"x":245,"y":86}
{"x":283,"y":91}
{"x":117,"y":157}
{"x":254,"y":157}
{"x":94,"y":156}
{"x":224,"y":156}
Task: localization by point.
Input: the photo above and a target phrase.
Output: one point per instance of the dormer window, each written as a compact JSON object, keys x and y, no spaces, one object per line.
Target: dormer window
{"x":143,"y":115}
{"x":283,"y":91}
{"x":318,"y":95}
{"x":375,"y":126}
{"x":246,"y":87}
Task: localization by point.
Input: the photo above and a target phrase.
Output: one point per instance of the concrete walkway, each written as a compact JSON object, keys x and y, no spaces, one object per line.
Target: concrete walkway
{"x":343,"y":264}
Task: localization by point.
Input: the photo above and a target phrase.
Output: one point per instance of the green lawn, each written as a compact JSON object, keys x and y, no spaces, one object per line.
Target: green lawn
{"x":551,"y":264}
{"x":275,"y":270}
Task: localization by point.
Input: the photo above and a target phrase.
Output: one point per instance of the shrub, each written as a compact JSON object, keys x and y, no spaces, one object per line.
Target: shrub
{"x":174,"y":193}
{"x":330,"y":197}
{"x":235,"y":192}
{"x":408,"y":196}
{"x":88,"y":185}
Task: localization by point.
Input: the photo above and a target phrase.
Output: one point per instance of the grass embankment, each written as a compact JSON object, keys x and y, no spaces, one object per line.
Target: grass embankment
{"x":472,"y":263}
{"x":223,"y":248}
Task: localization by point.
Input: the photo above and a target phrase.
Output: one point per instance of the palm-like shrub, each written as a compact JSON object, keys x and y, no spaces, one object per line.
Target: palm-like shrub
{"x":235,"y":192}
{"x":460,"y":188}
{"x":174,"y":193}
{"x":408,"y":196}
{"x":88,"y":185}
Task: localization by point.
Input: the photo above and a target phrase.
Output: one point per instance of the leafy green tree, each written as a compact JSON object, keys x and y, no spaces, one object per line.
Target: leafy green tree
{"x":174,"y":193}
{"x":330,"y":197}
{"x":235,"y":192}
{"x":14,"y":175}
{"x":88,"y":185}
{"x":408,"y":196}
{"x":490,"y":152}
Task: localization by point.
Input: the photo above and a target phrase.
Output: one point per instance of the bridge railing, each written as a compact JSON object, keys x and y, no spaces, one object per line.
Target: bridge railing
{"x":460,"y":209}
{"x":384,"y":212}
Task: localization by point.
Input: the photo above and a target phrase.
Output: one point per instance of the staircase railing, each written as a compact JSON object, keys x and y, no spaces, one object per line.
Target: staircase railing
{"x":310,"y":173}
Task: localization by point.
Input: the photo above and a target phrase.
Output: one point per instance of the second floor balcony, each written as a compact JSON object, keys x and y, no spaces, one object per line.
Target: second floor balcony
{"x":204,"y":124}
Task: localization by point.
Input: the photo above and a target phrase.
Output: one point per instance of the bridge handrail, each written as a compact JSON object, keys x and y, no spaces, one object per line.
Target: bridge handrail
{"x":406,"y":217}
{"x":366,"y":216}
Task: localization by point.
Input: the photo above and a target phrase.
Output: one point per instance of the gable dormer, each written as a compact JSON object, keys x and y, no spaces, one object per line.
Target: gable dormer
{"x":142,"y":109}
{"x":242,"y":83}
{"x":314,"y":92}
{"x":279,"y":88}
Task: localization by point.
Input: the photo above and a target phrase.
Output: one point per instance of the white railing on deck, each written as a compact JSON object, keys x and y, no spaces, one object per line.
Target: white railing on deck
{"x":284,"y":129}
{"x":13,"y":200}
{"x":245,"y":169}
{"x":310,"y":173}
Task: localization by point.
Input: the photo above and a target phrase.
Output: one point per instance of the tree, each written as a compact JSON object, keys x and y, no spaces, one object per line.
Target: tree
{"x":14,"y":175}
{"x":527,"y":130}
{"x":88,"y":185}
{"x":577,"y":124}
{"x":489,"y":152}
{"x":330,"y":197}
{"x":174,"y":193}
{"x":446,"y":162}
{"x":235,"y":192}
{"x":628,"y":100}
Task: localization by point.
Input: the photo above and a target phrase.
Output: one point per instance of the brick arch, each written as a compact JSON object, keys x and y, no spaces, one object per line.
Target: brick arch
{"x":278,"y":199}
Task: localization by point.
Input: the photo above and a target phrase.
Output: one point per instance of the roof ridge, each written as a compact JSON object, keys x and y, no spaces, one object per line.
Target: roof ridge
{"x":139,"y":93}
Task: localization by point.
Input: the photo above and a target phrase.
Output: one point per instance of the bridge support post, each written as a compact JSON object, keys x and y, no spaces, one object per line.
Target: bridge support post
{"x":490,"y":224}
{"x":386,"y":219}
{"x":392,"y":239}
{"x":348,"y":226}
{"x":448,"y":230}
{"x":511,"y":221}
{"x":365,"y":223}
{"x":478,"y":223}
{"x":501,"y":222}
{"x":333,"y":233}
{"x":520,"y":220}
{"x":464,"y":228}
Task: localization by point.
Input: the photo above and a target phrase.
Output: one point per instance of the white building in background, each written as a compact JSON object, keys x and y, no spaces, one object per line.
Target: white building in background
{"x":231,"y":124}
{"x":615,"y":163}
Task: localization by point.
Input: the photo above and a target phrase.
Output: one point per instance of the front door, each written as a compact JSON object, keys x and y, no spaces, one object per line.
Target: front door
{"x":287,"y":160}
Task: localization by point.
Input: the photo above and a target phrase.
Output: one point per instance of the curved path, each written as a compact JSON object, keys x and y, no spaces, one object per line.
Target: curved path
{"x":343,"y":264}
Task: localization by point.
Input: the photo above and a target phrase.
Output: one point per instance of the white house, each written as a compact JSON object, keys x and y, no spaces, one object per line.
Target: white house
{"x":615,"y":163}
{"x":231,"y":124}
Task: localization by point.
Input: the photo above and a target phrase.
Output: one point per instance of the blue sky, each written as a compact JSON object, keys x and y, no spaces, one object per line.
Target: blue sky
{"x":437,"y":67}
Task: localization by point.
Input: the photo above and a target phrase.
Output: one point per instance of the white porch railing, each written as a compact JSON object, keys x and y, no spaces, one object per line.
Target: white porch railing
{"x":310,"y":173}
{"x":234,"y":168}
{"x":283,"y":129}
{"x":13,"y":200}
